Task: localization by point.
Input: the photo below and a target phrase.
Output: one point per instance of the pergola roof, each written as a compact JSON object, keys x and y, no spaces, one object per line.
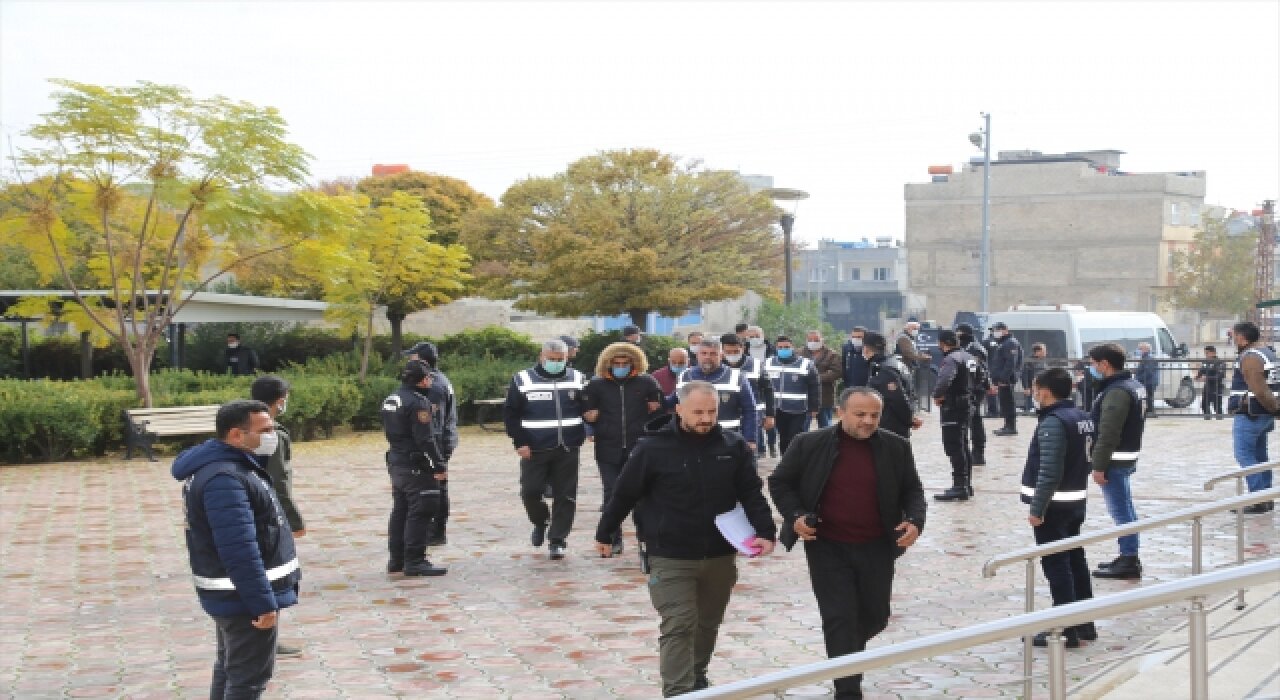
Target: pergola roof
{"x":202,"y":307}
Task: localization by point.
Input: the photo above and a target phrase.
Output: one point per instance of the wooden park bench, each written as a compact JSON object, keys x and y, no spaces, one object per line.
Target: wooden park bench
{"x":143,"y":425}
{"x":482,"y":407}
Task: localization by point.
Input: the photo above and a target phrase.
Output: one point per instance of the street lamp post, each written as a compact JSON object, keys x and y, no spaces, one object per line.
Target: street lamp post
{"x":787,"y":221}
{"x":982,"y":139}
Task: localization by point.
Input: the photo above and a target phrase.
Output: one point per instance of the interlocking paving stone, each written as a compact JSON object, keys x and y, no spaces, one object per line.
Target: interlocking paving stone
{"x":96,"y":599}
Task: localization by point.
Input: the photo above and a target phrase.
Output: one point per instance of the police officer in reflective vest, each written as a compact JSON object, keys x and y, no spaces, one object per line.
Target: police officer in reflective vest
{"x":1055,"y":482}
{"x":1253,"y":405}
{"x":981,"y":386}
{"x":417,"y":468}
{"x":543,"y":415}
{"x":445,"y":421}
{"x":735,"y":357}
{"x":953,"y":395}
{"x":1118,"y":418}
{"x":737,"y":401}
{"x":797,"y":390}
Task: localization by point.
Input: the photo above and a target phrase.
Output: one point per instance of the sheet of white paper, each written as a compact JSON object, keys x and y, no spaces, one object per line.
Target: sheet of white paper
{"x":737,"y":530}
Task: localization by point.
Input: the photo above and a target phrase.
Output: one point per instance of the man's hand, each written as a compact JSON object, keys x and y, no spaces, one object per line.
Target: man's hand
{"x":591,"y":416}
{"x":1035,"y":522}
{"x":654,"y":406}
{"x":765,"y":546}
{"x":808,"y":534}
{"x":751,"y":446}
{"x":909,"y":534}
{"x":1100,"y":478}
{"x":768,"y":422}
{"x":993,"y":391}
{"x":300,"y":533}
{"x":916,"y":422}
{"x":265,"y":621}
{"x":937,"y":401}
{"x":524,"y":452}
{"x":604,"y":549}
{"x":440,"y":476}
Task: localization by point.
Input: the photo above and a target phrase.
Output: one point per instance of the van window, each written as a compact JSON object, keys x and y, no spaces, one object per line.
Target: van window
{"x":1128,"y":338}
{"x":1167,"y":347}
{"x":1055,"y":342}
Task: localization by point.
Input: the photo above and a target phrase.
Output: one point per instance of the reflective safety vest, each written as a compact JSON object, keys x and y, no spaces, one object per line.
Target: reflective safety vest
{"x":551,"y":409}
{"x":1074,"y":485}
{"x":728,"y":385}
{"x":1126,"y":454}
{"x":790,"y":384}
{"x":751,"y":369}
{"x":1240,"y":388}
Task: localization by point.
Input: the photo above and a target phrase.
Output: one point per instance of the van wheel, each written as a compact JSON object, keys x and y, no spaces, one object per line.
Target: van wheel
{"x":1185,"y":396}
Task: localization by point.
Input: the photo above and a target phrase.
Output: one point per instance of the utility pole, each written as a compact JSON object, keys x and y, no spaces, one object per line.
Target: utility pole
{"x":982,"y":139}
{"x":1264,"y":271}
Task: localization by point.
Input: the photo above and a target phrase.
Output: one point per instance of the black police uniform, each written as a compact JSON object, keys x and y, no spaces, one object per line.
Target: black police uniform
{"x":955,"y":390}
{"x":890,"y":377}
{"x":981,"y":385}
{"x":413,"y":460}
{"x":444,"y":419}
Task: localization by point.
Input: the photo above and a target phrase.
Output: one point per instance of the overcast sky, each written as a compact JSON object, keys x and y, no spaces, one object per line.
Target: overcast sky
{"x":847,"y":100}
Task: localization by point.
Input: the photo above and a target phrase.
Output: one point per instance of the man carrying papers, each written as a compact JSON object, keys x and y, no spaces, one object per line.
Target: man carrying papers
{"x":682,"y":474}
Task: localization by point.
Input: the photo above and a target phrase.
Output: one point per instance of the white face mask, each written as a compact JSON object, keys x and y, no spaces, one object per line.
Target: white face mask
{"x":857,"y":342}
{"x":733,"y":359}
{"x":756,"y":342}
{"x":233,"y":346}
{"x":813,"y":345}
{"x":266,"y":448}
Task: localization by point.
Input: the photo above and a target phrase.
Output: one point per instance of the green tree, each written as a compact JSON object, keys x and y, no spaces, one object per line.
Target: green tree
{"x":795,"y":321}
{"x":628,"y":231}
{"x":448,"y":199}
{"x":156,"y":193}
{"x":392,"y":261}
{"x":1216,"y":273}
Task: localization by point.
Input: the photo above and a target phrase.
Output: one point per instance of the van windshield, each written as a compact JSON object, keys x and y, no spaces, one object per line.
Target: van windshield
{"x":1128,"y":338}
{"x":1055,"y":342}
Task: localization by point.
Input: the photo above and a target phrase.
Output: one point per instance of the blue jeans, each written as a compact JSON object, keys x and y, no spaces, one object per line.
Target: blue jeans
{"x":1250,"y":441}
{"x":1120,"y":505}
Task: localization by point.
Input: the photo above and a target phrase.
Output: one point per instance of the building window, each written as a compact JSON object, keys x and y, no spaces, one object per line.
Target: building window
{"x":882,"y":274}
{"x":1175,"y":214}
{"x":855,"y":274}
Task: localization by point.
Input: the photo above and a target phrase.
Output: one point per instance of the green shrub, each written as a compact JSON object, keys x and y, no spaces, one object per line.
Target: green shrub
{"x":44,"y":420}
{"x":491,"y":343}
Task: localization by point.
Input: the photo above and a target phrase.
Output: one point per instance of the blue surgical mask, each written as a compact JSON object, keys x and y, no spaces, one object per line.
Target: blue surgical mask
{"x":785,"y":353}
{"x":678,"y":369}
{"x":1095,"y":372}
{"x":553,"y":366}
{"x":620,"y":372}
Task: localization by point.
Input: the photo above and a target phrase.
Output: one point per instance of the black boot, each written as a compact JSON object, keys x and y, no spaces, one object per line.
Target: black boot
{"x":957,"y":492}
{"x":421,"y":566}
{"x":1125,"y":567}
{"x":395,"y":566}
{"x":1072,"y":638}
{"x":1102,"y":566}
{"x":1087,"y":632}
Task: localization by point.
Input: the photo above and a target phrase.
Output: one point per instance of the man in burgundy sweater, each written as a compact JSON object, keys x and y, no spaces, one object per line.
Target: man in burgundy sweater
{"x":852,"y":493}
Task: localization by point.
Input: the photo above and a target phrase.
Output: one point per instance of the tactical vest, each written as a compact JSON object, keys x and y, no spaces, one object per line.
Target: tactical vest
{"x":790,"y":384}
{"x":1076,"y":470}
{"x":1240,"y":388}
{"x":728,"y":383}
{"x":551,"y":414}
{"x":751,"y":370}
{"x":1126,"y":454}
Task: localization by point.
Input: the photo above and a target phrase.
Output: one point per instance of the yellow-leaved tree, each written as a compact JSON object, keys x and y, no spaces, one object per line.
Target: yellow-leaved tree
{"x":149,"y":194}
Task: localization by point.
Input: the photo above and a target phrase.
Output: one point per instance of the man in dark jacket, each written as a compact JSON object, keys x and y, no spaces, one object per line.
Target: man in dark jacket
{"x":855,"y":364}
{"x":444,"y":418}
{"x":954,"y":397}
{"x":543,"y":415}
{"x":1006,"y":363}
{"x":417,"y":467}
{"x":797,"y":391}
{"x":240,"y":358}
{"x":979,"y":388}
{"x":891,"y":379}
{"x":851,"y":492}
{"x":680,"y":478}
{"x":827,"y":364}
{"x":1055,"y":481}
{"x":1148,"y":375}
{"x":620,"y":400}
{"x":1212,"y":371}
{"x":752,"y":368}
{"x":1117,"y":416}
{"x":240,"y":547}
{"x":1030,"y":370}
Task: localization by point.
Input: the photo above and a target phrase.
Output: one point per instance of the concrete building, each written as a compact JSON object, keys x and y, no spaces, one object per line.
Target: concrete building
{"x":1068,"y":228}
{"x":860,"y":283}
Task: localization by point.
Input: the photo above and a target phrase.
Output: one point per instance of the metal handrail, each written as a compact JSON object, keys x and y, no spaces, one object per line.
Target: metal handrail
{"x":1239,"y":474}
{"x":1194,"y":514}
{"x":1055,"y":619}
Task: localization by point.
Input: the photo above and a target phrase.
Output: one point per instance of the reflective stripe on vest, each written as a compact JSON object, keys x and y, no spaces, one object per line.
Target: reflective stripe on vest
{"x":1124,"y":455}
{"x":536,"y":424}
{"x":785,"y":395}
{"x":1058,"y":495}
{"x":730,"y":384}
{"x":225,"y":584}
{"x":753,"y":378}
{"x":527,"y":383}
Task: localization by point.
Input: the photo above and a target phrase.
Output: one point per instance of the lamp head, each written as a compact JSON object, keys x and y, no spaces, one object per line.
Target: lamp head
{"x":976,"y":139}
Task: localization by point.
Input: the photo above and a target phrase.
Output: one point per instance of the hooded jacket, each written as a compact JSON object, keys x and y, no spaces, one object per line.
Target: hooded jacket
{"x":678,"y":483}
{"x":238,"y":539}
{"x":623,"y":404}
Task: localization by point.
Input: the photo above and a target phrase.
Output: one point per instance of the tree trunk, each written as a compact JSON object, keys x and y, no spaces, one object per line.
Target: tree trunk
{"x":86,"y":356}
{"x":368,"y":348}
{"x":639,"y":317}
{"x":140,"y":362}
{"x":396,"y":318}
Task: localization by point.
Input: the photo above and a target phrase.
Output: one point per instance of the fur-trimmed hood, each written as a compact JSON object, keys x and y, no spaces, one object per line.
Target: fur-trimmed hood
{"x":639,"y":363}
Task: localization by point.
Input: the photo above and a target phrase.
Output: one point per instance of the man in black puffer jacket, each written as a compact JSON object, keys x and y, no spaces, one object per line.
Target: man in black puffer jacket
{"x":682,"y":475}
{"x":620,"y":400}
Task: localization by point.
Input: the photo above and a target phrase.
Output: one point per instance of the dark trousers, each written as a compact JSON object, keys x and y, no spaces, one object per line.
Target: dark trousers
{"x":1151,"y":397}
{"x":245,"y":661}
{"x":1008,"y":409}
{"x":789,"y":425}
{"x":441,"y":519}
{"x":557,"y":468}
{"x":852,"y":584}
{"x":977,"y":433}
{"x":415,"y":500}
{"x":610,"y":467}
{"x":1211,"y":399}
{"x":955,"y":441}
{"x":691,"y":596}
{"x":1067,"y":572}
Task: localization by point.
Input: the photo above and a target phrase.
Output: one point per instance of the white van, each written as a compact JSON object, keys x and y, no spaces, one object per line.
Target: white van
{"x":1069,"y":331}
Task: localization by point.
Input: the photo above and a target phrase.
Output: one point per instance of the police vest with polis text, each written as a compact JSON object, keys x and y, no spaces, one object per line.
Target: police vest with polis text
{"x":791,"y":384}
{"x":1241,"y":396}
{"x":1076,"y":469}
{"x":728,"y":385}
{"x":551,"y":413}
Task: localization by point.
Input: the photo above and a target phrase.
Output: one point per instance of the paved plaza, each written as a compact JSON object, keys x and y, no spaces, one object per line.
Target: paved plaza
{"x":97,"y":600}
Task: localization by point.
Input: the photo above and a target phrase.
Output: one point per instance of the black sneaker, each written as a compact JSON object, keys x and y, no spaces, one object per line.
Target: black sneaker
{"x":424,"y":568}
{"x":539,"y":535}
{"x":1087,"y":632}
{"x":395,"y":566}
{"x":955,"y":493}
{"x":1125,"y":567}
{"x":283,"y":649}
{"x":1072,"y":639}
{"x":557,"y":550}
{"x":1258,"y":508}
